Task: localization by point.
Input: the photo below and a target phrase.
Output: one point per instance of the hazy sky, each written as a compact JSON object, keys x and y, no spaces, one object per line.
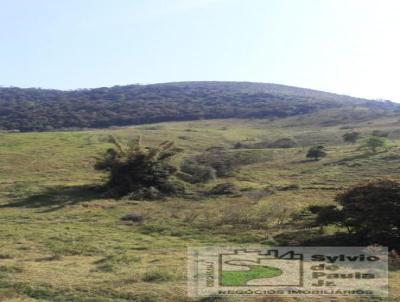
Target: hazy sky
{"x":343,"y":46}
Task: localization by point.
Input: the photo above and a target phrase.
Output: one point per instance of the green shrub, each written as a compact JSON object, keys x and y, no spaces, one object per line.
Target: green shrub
{"x":316,"y":152}
{"x":157,"y":276}
{"x":374,"y":143}
{"x":141,"y":172}
{"x":380,"y":133}
{"x":196,"y":173}
{"x":351,"y":137}
{"x":283,"y":143}
{"x":113,"y":262}
{"x":224,"y":189}
{"x":220,"y":162}
{"x":11,"y":269}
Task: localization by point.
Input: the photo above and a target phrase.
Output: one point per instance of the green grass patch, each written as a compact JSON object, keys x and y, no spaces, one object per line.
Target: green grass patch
{"x":240,"y":278}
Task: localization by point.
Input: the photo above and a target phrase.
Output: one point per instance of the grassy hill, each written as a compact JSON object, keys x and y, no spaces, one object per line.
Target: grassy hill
{"x":43,"y":110}
{"x":62,"y":241}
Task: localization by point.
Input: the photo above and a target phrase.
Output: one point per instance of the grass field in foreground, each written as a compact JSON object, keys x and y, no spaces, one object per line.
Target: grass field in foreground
{"x":61,"y":241}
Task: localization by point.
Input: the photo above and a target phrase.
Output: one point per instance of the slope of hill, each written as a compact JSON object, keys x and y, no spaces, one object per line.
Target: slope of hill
{"x":34,"y":109}
{"x":61,"y":240}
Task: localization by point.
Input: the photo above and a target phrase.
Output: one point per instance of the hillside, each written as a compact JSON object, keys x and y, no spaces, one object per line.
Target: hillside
{"x":62,"y":241}
{"x":34,"y":109}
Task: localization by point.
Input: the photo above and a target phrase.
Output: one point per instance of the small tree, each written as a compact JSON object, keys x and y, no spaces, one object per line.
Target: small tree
{"x":316,"y":152}
{"x":374,"y":143}
{"x":351,"y":137}
{"x":142,"y":172}
{"x":372,"y":210}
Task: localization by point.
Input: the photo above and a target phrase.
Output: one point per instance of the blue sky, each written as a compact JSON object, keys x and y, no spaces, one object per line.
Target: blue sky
{"x":343,"y":46}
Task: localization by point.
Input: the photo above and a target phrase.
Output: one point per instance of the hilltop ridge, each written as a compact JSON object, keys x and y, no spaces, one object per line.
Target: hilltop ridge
{"x":35,"y":109}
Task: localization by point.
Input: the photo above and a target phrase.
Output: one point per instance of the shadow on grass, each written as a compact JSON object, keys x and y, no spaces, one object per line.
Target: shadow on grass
{"x":313,"y":238}
{"x":55,"y":198}
{"x":304,"y":161}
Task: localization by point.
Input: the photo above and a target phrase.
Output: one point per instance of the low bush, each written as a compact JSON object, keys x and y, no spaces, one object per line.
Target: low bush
{"x":316,"y":152}
{"x":279,"y":143}
{"x":351,"y":137}
{"x":141,"y":172}
{"x":283,"y":143}
{"x":380,"y":133}
{"x":158,"y":276}
{"x":218,"y":162}
{"x":196,"y":173}
{"x":113,"y":262}
{"x":224,"y":189}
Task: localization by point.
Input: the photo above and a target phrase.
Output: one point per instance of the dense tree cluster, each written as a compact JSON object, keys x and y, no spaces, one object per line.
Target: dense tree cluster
{"x":42,"y":110}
